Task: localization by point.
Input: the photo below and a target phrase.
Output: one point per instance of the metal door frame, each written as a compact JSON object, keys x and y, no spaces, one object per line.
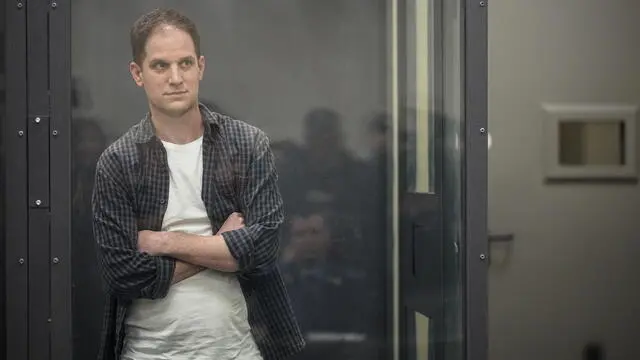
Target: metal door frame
{"x":60,"y":150}
{"x":15,"y":186}
{"x":474,"y":175}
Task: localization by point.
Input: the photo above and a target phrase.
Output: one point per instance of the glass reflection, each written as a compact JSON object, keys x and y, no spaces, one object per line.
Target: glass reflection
{"x":314,"y":80}
{"x":332,"y":258}
{"x":452,"y":178}
{"x":88,"y":141}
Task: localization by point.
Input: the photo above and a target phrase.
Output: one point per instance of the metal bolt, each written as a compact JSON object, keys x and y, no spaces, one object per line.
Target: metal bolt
{"x":19,"y":5}
{"x":49,"y":320}
{"x":54,"y":4}
{"x":56,"y":260}
{"x":37,"y":120}
{"x":482,"y":3}
{"x":38,"y":202}
{"x":55,"y":132}
{"x":20,"y":133}
{"x":483,"y":256}
{"x":21,"y":261}
{"x":483,"y":130}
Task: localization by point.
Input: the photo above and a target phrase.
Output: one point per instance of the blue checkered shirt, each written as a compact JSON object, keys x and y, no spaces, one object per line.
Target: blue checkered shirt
{"x":131,"y":194}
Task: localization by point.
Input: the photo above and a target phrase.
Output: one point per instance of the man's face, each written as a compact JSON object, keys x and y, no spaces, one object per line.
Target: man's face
{"x":170,"y":72}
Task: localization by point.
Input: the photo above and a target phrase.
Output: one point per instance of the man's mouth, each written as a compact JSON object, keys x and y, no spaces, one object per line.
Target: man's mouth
{"x":176,"y":93}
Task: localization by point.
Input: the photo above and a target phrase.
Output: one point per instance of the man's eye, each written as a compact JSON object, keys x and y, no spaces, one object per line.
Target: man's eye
{"x":159,"y":66}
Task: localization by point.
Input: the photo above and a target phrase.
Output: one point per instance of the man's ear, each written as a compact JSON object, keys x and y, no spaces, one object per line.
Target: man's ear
{"x":201,"y":65}
{"x":136,"y":73}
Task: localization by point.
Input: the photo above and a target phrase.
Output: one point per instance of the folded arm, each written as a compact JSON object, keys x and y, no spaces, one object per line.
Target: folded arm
{"x":126,"y":273}
{"x":204,"y":251}
{"x":249,"y":249}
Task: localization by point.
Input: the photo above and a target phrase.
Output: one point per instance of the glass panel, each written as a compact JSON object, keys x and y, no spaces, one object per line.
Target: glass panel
{"x":453,"y":64}
{"x":88,"y":140}
{"x":312,"y":75}
{"x":432,"y":40}
{"x":420,"y":90}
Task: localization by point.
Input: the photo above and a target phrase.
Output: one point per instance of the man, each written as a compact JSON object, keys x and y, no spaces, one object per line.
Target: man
{"x":186,"y":217}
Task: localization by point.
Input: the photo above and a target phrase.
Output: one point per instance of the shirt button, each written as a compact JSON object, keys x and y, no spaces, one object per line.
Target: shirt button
{"x":162,"y":201}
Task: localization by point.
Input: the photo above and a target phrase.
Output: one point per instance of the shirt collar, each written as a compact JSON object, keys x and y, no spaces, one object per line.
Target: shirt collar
{"x":146,"y":131}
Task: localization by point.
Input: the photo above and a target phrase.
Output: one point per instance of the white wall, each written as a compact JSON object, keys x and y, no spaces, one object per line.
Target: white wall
{"x":268,"y":62}
{"x":573,"y":272}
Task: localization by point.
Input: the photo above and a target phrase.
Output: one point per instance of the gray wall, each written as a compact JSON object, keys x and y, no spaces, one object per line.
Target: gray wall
{"x":571,"y":275}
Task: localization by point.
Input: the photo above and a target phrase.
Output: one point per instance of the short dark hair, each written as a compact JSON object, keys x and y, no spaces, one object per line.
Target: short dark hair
{"x":147,"y":23}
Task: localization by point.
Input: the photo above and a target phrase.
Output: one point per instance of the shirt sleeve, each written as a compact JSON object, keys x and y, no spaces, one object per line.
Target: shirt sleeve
{"x":126,"y":272}
{"x":255,"y":247}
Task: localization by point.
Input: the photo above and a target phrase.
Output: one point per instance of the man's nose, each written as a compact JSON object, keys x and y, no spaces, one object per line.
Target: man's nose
{"x":176,"y":75}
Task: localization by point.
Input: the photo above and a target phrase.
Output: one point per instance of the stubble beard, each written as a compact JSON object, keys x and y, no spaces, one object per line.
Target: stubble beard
{"x":177,"y":112}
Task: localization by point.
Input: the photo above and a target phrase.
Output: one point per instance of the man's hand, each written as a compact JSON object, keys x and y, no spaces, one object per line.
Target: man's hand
{"x":185,"y":270}
{"x":152,"y":242}
{"x":235,"y":221}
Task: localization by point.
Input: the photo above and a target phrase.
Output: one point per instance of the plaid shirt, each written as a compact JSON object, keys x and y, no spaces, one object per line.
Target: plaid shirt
{"x":131,"y":192}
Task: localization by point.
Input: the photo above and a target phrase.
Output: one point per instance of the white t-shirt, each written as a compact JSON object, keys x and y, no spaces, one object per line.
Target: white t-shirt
{"x":203,"y":317}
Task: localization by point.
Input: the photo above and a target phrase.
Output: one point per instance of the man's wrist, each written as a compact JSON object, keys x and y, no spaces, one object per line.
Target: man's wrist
{"x":165,"y":239}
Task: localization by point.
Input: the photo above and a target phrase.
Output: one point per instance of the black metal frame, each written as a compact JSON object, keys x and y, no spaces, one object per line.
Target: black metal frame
{"x":475,"y":176}
{"x":3,"y":174}
{"x":15,"y":187}
{"x":36,"y":138}
{"x":60,"y":173}
{"x":38,"y":177}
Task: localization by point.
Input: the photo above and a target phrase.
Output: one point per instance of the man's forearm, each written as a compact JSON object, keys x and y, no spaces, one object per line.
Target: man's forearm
{"x":207,"y":251}
{"x":185,"y":270}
